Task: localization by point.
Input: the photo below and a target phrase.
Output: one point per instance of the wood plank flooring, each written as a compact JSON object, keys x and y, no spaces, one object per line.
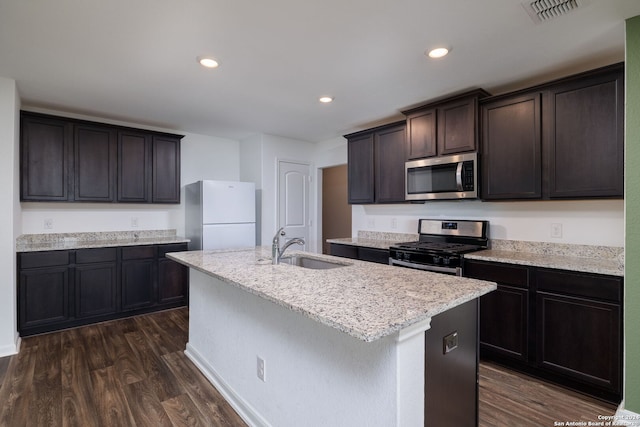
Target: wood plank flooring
{"x":133,"y":372}
{"x":129,"y":372}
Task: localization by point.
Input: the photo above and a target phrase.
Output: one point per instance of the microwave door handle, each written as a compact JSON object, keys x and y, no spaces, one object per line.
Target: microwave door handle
{"x":459,"y":176}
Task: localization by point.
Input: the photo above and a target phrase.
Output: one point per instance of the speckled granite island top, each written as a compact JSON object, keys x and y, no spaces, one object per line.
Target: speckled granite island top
{"x":68,"y":241}
{"x":365,"y":300}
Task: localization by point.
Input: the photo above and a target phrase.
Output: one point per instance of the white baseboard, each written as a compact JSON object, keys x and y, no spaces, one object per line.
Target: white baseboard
{"x":624,"y":417}
{"x":10,"y":350}
{"x":242,"y":407}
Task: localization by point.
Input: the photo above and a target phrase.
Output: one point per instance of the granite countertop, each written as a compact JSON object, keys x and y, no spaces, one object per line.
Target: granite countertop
{"x":582,"y":258}
{"x":376,"y":240}
{"x":365,"y":300}
{"x":66,"y":241}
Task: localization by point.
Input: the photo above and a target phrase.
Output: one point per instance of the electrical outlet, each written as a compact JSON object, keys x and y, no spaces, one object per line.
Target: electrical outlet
{"x":48,"y":224}
{"x":394,"y":223}
{"x":556,"y":230}
{"x":261,"y":369}
{"x":371,"y":223}
{"x":134,"y":222}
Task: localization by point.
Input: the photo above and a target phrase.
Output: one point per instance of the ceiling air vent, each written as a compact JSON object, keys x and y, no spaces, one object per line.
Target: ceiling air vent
{"x":544,"y":10}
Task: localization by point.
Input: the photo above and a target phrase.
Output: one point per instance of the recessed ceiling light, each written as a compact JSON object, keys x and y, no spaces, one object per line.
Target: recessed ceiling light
{"x":207,"y":61}
{"x":325,"y":99}
{"x":438,"y":52}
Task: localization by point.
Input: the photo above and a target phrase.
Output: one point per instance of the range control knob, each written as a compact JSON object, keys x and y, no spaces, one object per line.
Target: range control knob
{"x":437,"y":259}
{"x":446,"y":260}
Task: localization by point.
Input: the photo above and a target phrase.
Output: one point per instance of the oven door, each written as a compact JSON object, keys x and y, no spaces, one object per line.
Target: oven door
{"x":453,"y":271}
{"x":448,"y":177}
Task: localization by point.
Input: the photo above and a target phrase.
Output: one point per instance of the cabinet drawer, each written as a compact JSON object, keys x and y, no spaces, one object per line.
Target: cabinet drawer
{"x":44,"y":259}
{"x":86,"y":256}
{"x":346,"y":251}
{"x":594,"y":286}
{"x":138,"y":252}
{"x":174,"y":247}
{"x":373,"y":255}
{"x":502,"y":273}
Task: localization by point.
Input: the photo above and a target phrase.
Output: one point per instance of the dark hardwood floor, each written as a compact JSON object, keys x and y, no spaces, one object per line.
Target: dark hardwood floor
{"x":133,"y":372}
{"x":129,"y":372}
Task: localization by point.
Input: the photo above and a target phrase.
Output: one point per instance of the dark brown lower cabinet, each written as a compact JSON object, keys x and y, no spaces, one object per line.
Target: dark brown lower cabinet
{"x":171,"y":277}
{"x":362,"y":253}
{"x":96,"y":282}
{"x":62,"y":289}
{"x":44,"y":296}
{"x":562,"y":326}
{"x":504,"y":313}
{"x":138,"y":277}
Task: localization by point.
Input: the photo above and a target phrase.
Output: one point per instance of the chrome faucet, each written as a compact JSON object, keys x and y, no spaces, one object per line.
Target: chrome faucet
{"x":276,"y":251}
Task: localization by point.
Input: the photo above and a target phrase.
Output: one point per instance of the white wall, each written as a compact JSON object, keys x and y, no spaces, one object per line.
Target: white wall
{"x":598,"y":222}
{"x":202,"y":157}
{"x":589,"y":222}
{"x":251,"y":171}
{"x":269,"y":149}
{"x":9,"y":213}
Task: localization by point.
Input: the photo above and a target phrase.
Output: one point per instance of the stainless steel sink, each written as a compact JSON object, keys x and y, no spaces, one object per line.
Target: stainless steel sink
{"x":312,"y":263}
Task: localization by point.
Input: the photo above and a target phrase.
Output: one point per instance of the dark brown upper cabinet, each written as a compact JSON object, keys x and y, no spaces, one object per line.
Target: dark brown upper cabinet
{"x":94,"y":163}
{"x":421,"y":132}
{"x":560,"y":140}
{"x":79,"y":161}
{"x":511,"y":152}
{"x":447,"y":126}
{"x":376,"y":164}
{"x":134,"y":161}
{"x":45,"y":153}
{"x":166,"y":169}
{"x":586,"y":136}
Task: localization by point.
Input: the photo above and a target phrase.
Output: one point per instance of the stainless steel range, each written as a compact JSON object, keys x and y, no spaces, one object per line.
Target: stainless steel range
{"x":441,"y":245}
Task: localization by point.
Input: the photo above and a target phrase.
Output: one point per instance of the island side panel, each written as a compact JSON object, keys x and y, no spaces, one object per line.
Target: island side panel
{"x":315,"y":375}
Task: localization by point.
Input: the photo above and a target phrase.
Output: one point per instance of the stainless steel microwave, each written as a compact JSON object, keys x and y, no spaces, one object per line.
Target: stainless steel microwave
{"x":442,"y":178}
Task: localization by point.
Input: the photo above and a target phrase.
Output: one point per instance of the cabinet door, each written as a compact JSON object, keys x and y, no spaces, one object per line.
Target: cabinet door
{"x":166,"y":170}
{"x":504,"y":322}
{"x":457,"y":126}
{"x":43,"y":297}
{"x":360,"y":169}
{"x":134,"y":167}
{"x":138,"y":284}
{"x":95,"y":153}
{"x":381,"y":256}
{"x":95,"y":290}
{"x":580,"y":338}
{"x":346,"y":251}
{"x":421,"y":134}
{"x":504,"y":313}
{"x":586,"y":137}
{"x":389,"y":161}
{"x":173,"y":277}
{"x":96,"y":281}
{"x":511,"y":148}
{"x":45,"y":150}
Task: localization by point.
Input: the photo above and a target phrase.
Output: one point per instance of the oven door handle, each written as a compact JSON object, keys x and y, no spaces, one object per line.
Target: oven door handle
{"x":459,"y":176}
{"x":433,"y":268}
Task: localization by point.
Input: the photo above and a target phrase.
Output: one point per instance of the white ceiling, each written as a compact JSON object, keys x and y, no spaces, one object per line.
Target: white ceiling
{"x":136,"y":60}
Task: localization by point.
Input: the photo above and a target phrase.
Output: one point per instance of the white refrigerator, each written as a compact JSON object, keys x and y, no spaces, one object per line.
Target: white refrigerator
{"x":220,"y":215}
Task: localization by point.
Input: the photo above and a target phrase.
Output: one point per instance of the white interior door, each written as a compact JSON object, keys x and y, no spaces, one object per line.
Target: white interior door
{"x":293,"y":200}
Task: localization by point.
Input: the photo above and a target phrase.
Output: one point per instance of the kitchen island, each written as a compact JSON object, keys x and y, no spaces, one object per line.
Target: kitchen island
{"x":288,"y":345}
